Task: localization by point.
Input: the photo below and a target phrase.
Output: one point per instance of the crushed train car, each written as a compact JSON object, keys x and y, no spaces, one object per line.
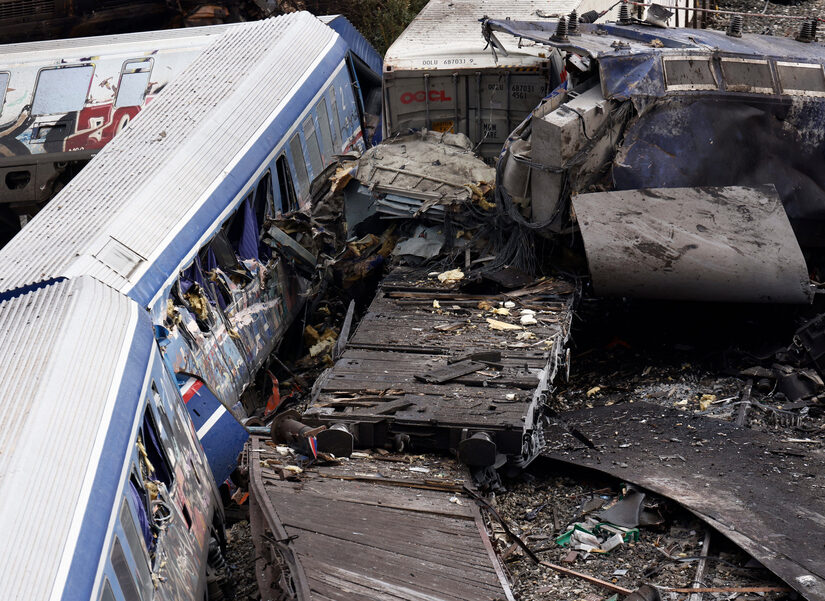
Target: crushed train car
{"x":438,"y":75}
{"x":689,"y":160}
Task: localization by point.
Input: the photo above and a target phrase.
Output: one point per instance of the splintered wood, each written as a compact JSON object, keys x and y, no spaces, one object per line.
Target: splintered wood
{"x":367,"y":529}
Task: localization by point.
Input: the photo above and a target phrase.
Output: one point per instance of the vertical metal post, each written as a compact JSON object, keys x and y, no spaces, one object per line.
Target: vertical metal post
{"x":509,"y":129}
{"x":427,"y":98}
{"x":478,"y":106}
{"x":455,"y":103}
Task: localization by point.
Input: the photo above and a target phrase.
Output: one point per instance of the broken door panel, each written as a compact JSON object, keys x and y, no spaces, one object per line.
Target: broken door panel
{"x":731,"y":244}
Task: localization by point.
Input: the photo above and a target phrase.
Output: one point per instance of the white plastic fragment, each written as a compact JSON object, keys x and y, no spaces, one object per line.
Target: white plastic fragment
{"x":509,"y":304}
{"x":451,"y":276}
{"x":528,"y":320}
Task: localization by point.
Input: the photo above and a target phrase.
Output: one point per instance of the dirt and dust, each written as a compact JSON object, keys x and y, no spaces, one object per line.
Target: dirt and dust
{"x":779,"y":26}
{"x":545,"y":503}
{"x":240,"y":555}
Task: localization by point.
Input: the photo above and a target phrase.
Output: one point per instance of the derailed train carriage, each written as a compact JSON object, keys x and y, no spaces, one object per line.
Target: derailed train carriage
{"x":156,"y":249}
{"x":62,"y":101}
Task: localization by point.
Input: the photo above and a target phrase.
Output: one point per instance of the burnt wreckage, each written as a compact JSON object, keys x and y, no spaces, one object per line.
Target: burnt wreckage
{"x":690,"y":161}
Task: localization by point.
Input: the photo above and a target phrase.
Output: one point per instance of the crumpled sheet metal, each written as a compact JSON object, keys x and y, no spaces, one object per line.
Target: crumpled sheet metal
{"x":731,"y":244}
{"x":683,"y":142}
{"x":426,"y":166}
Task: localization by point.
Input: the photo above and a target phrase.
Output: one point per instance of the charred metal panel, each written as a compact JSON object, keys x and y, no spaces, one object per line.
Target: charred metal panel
{"x":681,"y":142}
{"x":722,"y":244}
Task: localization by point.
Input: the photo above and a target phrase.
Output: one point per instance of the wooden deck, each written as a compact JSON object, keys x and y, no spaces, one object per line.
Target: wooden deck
{"x":414,"y":332}
{"x":370,"y":528}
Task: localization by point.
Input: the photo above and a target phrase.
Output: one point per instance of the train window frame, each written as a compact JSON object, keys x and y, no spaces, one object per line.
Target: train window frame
{"x":120,"y":566}
{"x":4,"y":88}
{"x":150,"y":418}
{"x":167,"y":430}
{"x":60,"y":110}
{"x":136,"y":545}
{"x":326,"y":131}
{"x":316,"y":159}
{"x":337,"y":132}
{"x":106,"y":592}
{"x":286,"y":187}
{"x":786,"y":68}
{"x":263,"y":187}
{"x":734,"y":80}
{"x":299,"y":164}
{"x":123,"y":72}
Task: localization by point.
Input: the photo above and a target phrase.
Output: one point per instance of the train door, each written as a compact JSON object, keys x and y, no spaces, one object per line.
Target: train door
{"x":220,"y":434}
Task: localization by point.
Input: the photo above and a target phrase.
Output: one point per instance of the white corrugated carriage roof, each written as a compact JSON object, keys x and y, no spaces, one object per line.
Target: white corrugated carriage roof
{"x":92,"y":46}
{"x":147,"y":187}
{"x":63,"y":350}
{"x":446,"y":34}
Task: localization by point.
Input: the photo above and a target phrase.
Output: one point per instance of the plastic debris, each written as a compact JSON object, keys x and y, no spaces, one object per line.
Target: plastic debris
{"x":451,"y":276}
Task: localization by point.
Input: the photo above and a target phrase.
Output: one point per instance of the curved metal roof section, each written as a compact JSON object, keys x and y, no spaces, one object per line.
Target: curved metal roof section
{"x":64,"y":349}
{"x":105,"y":44}
{"x":357,"y":43}
{"x":449,"y":30}
{"x":141,"y":208}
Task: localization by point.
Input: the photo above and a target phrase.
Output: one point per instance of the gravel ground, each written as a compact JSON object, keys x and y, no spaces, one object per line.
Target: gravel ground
{"x":769,"y":26}
{"x":241,"y":556}
{"x":665,"y":555}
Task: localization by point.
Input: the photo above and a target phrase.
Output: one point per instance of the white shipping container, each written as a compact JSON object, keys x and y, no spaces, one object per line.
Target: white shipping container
{"x":439,"y":75}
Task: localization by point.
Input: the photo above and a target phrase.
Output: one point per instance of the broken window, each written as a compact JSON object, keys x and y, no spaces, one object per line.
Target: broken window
{"x":62,"y":90}
{"x":745,"y":75}
{"x":326,"y":134}
{"x":167,"y":434}
{"x":255,"y":212}
{"x":134,"y":83}
{"x":289,"y":202}
{"x":194,"y":293}
{"x":336,"y":120}
{"x":312,"y":146}
{"x":139,"y":552}
{"x":157,"y":467}
{"x":689,"y":73}
{"x":299,"y":163}
{"x":125,"y":578}
{"x":801,"y":78}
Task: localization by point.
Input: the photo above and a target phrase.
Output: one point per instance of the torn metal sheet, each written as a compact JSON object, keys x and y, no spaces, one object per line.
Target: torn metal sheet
{"x":422,"y":173}
{"x":723,"y":244}
{"x":762,"y":492}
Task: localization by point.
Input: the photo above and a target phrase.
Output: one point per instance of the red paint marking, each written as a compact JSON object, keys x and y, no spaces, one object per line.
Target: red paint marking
{"x":421,"y":96}
{"x":191,"y":389}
